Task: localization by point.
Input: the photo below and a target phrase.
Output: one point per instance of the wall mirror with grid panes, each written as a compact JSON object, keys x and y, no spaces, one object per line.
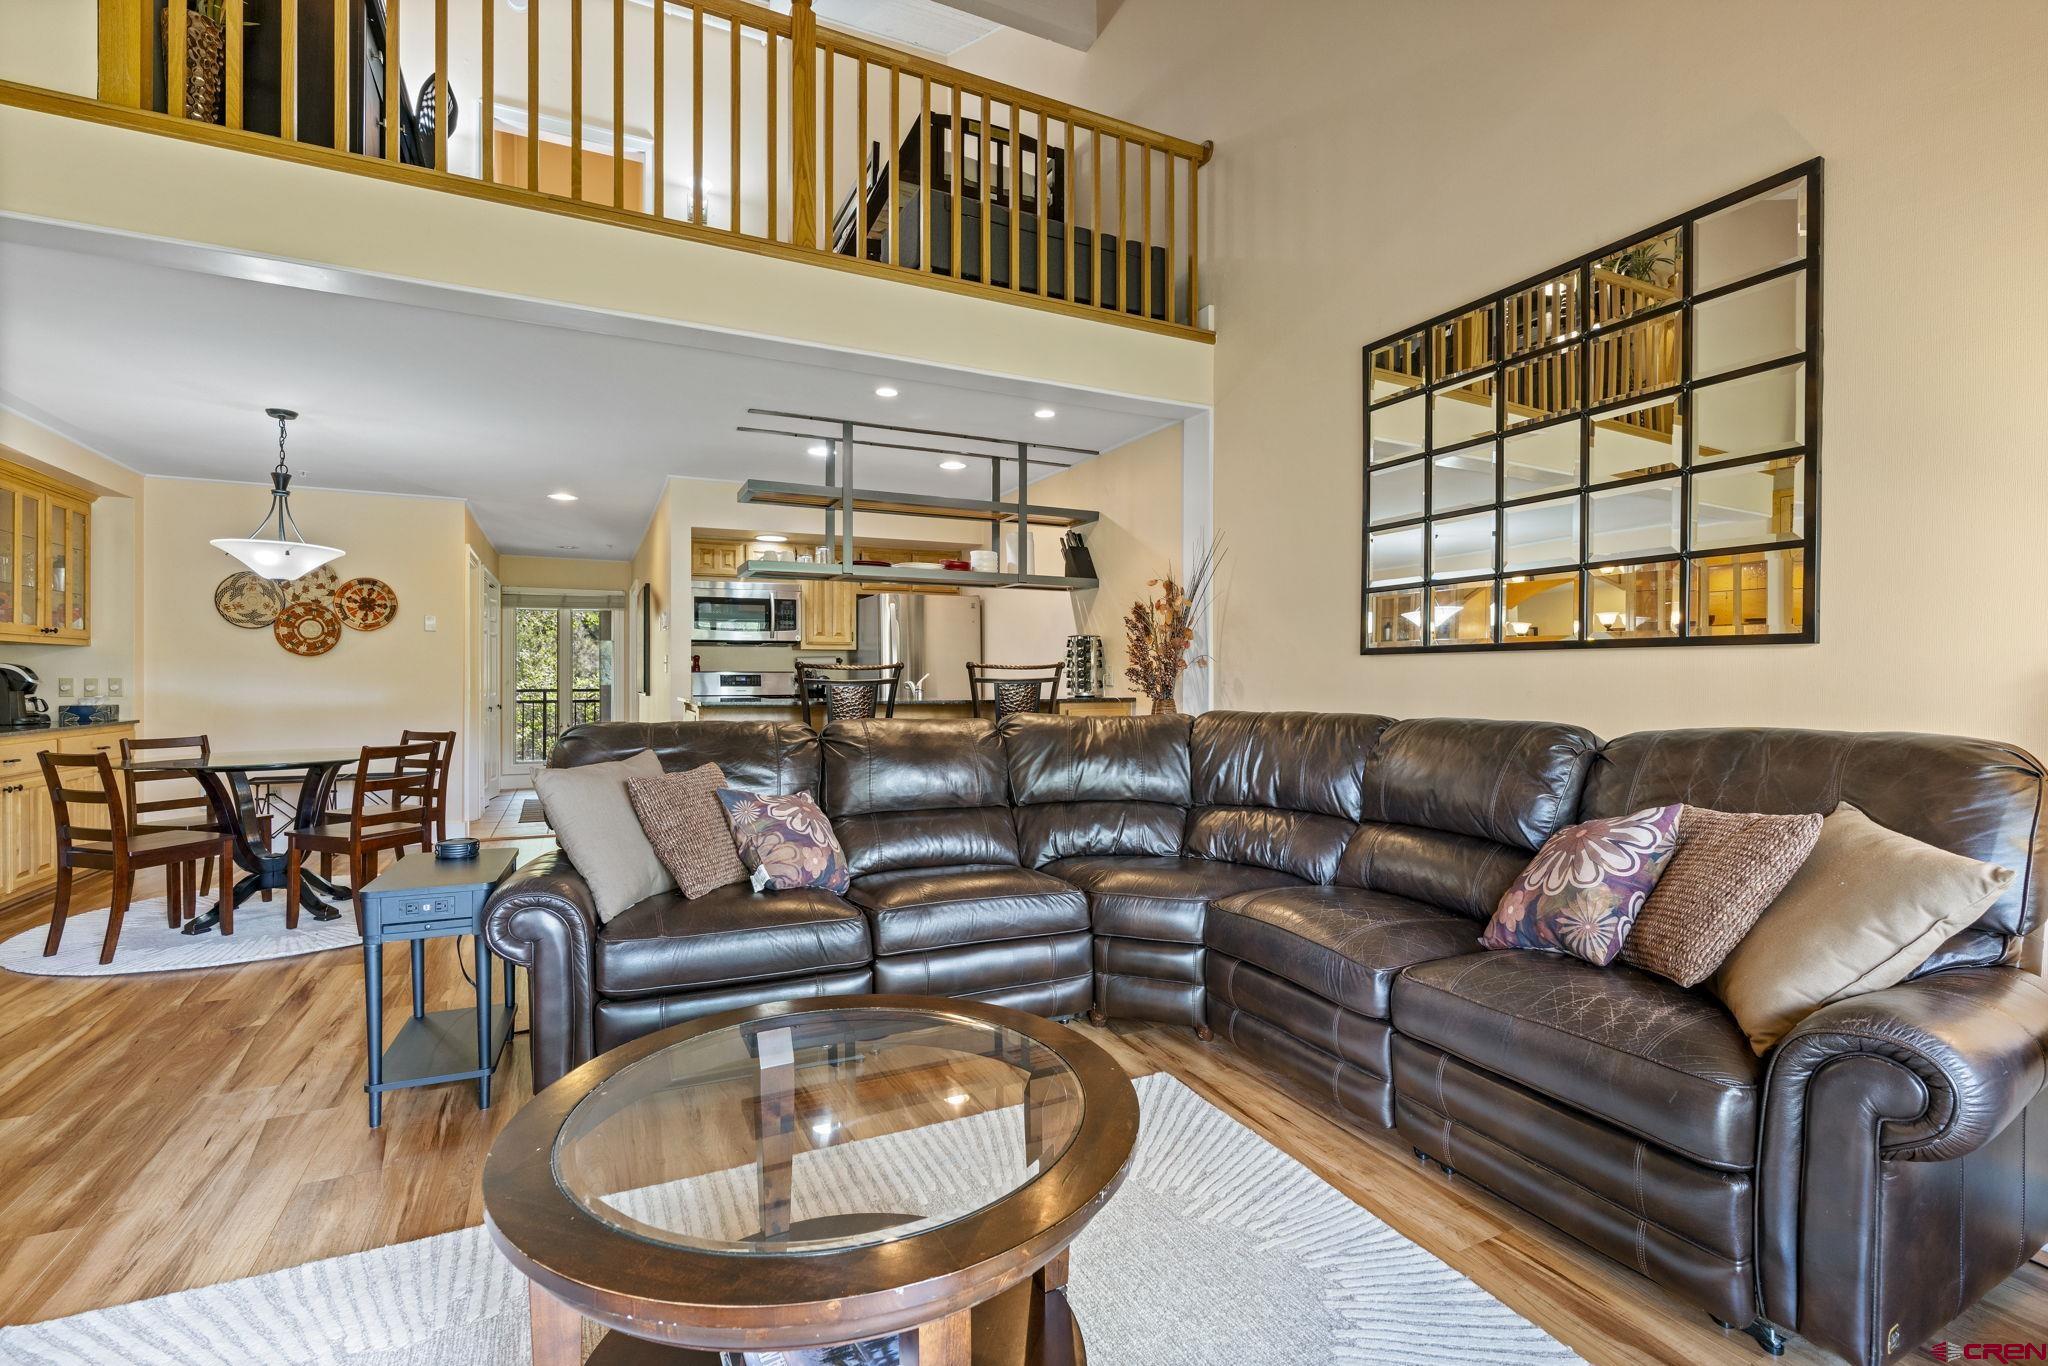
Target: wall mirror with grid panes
{"x":1621,"y":451}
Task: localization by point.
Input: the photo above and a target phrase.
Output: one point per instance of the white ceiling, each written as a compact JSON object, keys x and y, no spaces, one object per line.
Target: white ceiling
{"x":164,"y":357}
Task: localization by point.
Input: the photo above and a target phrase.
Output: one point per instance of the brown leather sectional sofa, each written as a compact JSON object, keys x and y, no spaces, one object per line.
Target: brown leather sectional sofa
{"x":1311,"y":887}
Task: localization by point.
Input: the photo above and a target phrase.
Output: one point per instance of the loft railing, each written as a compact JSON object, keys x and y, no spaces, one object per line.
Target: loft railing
{"x":715,"y":119}
{"x":539,"y":718}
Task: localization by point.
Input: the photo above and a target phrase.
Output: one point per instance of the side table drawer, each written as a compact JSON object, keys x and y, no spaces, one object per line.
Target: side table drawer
{"x":413,"y":913}
{"x":419,"y":929}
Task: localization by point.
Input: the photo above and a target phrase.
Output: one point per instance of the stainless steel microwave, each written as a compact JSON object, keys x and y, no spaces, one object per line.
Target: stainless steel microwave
{"x":745,"y":613}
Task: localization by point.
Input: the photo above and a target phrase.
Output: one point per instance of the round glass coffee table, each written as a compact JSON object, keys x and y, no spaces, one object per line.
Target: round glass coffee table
{"x":812,"y":1174}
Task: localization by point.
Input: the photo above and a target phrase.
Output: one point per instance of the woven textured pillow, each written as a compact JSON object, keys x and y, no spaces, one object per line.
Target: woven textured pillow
{"x":786,"y":842}
{"x":1581,"y":893}
{"x":1727,"y":869}
{"x":682,"y":818}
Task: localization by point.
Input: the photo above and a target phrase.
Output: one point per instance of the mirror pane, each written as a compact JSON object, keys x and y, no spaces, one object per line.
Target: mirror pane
{"x":1543,"y":387}
{"x":1645,"y":439}
{"x":1645,"y":276}
{"x":1397,"y":493}
{"x":1640,"y":359}
{"x":1465,"y":343}
{"x":1542,"y":460}
{"x":1462,"y":412}
{"x":1542,"y":314}
{"x":1763,"y":322}
{"x":1641,"y":519}
{"x":1463,"y":479}
{"x":1631,"y":600}
{"x":1539,"y":608}
{"x":1393,"y":620}
{"x":1461,"y":545}
{"x":1396,"y":429}
{"x":1753,"y":236}
{"x":1394,"y":556}
{"x":1761,"y":412}
{"x":1749,"y":595}
{"x":1538,"y":535}
{"x":1749,"y":504}
{"x":1395,"y":367}
{"x":1462,"y":614}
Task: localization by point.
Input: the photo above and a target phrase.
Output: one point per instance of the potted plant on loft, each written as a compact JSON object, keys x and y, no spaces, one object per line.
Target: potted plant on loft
{"x":206,"y":57}
{"x":1161,"y":631}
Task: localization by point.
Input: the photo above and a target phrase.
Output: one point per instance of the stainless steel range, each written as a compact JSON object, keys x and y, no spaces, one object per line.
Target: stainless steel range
{"x":727,"y":685}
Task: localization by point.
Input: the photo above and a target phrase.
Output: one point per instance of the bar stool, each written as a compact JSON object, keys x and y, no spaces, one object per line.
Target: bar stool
{"x":1014,"y":688}
{"x":848,"y":692}
{"x":114,"y":848}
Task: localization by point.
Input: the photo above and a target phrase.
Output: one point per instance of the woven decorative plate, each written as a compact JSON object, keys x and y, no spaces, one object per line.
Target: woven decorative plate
{"x":248,"y":600}
{"x":308,"y":628}
{"x":366,"y":604}
{"x":317,"y":586}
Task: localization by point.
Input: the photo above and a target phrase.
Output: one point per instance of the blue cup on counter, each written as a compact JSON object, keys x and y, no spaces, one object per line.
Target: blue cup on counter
{"x":87,"y":714}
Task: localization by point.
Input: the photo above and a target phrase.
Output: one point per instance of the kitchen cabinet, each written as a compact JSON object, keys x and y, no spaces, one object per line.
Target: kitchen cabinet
{"x":828,"y":614}
{"x":28,"y":825}
{"x":715,"y":559}
{"x":45,"y":569}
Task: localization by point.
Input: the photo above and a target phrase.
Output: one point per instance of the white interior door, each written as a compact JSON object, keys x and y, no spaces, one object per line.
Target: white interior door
{"x":562,"y":663}
{"x":493,"y":745}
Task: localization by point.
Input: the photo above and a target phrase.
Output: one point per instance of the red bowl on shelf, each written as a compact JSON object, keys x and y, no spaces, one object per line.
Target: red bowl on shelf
{"x":956,"y":564}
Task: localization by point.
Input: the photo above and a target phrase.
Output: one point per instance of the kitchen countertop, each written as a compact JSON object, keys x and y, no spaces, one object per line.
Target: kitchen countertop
{"x":34,"y":732}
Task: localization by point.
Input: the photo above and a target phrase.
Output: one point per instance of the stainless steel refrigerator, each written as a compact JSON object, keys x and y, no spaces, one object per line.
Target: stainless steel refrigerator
{"x":932,"y":635}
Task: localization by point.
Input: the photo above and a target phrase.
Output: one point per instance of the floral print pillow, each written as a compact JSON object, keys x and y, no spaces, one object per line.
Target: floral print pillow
{"x":1582,"y":892}
{"x":786,"y":841}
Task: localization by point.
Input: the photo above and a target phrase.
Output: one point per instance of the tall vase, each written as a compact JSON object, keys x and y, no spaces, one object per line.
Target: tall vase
{"x":1163,"y":706}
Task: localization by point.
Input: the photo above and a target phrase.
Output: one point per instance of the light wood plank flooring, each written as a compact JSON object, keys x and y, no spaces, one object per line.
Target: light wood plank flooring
{"x":159,"y":1133}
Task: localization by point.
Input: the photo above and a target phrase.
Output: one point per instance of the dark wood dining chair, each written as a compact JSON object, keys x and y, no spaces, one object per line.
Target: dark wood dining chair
{"x":444,"y":751}
{"x":1012,"y":688}
{"x":847,"y":692}
{"x":390,"y":807}
{"x":112,"y":847}
{"x":190,"y":810}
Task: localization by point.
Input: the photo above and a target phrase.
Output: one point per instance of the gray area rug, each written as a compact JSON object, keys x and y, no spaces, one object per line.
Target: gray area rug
{"x":149,"y":944}
{"x":1218,"y":1249}
{"x":530,"y":812}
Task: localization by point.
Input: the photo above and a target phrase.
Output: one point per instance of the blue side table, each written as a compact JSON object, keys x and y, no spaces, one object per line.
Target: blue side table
{"x":416,"y":899}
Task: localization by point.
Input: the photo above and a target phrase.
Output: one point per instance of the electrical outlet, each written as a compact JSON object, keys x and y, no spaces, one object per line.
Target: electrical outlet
{"x":92,"y":687}
{"x":113,"y":687}
{"x":63,"y":687}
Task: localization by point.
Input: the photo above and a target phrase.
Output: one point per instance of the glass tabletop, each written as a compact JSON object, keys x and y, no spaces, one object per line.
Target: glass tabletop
{"x":282,"y":758}
{"x":818,"y":1132}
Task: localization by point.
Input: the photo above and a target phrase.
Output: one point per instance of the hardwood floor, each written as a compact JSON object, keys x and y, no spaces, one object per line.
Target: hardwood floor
{"x":159,"y":1133}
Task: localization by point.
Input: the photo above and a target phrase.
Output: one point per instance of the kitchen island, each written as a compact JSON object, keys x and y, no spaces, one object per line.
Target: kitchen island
{"x":761,"y":709}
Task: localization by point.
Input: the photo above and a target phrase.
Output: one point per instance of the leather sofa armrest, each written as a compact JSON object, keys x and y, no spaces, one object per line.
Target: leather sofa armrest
{"x":544,"y":918}
{"x":1970,"y":1046}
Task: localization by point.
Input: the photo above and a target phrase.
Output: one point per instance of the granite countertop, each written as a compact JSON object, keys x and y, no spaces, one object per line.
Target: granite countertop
{"x":29,"y":732}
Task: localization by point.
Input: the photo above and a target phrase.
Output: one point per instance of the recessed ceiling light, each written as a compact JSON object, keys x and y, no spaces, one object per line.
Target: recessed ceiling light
{"x":820,"y":451}
{"x":563,"y":497}
{"x":886,"y":391}
{"x":770,"y":536}
{"x":1045,"y":414}
{"x":952,"y":464}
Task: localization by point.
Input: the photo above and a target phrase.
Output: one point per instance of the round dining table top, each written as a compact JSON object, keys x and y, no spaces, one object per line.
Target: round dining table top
{"x":282,"y":758}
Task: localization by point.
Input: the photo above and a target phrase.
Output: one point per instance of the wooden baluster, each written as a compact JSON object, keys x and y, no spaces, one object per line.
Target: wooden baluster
{"x":1095,"y":288}
{"x":1122,"y":224}
{"x":830,"y":137}
{"x":288,"y":74}
{"x":532,"y":94}
{"x":774,"y":188}
{"x":733,"y":120}
{"x":1145,"y":238}
{"x":576,"y":99}
{"x":1013,"y":175}
{"x":697,"y":210}
{"x":231,"y":62}
{"x":486,"y":135}
{"x":393,"y":89}
{"x":1195,"y":237}
{"x":924,"y":176}
{"x":1168,"y":244}
{"x":340,"y":78}
{"x":660,"y":80}
{"x":1068,"y":216}
{"x":1043,"y":272}
{"x":619,"y":105}
{"x":145,"y":76}
{"x":860,"y":158}
{"x":956,"y":171}
{"x":803,"y":124}
{"x":440,"y":84}
{"x":895,"y":164}
{"x":177,"y":100}
{"x":982,"y":159}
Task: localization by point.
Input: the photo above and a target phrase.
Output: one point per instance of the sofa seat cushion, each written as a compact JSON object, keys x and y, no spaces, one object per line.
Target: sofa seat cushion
{"x":1646,"y":1055}
{"x":912,"y":909}
{"x":1160,"y":897}
{"x":732,"y":934}
{"x":1344,"y":944}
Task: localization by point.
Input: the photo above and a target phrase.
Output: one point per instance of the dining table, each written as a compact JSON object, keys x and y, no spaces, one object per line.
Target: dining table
{"x":229,"y":780}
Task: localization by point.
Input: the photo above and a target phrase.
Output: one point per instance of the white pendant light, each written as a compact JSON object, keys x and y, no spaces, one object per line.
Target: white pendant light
{"x":287,"y":555}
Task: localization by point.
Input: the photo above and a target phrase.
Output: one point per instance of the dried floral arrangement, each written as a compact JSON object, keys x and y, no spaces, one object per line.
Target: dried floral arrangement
{"x":1161,"y":629}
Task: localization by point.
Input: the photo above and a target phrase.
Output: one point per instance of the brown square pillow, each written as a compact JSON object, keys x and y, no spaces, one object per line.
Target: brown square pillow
{"x":687,"y":827}
{"x":1729,"y":867}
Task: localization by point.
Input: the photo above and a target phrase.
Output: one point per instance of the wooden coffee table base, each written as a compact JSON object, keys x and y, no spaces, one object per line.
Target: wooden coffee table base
{"x":1030,"y":1324}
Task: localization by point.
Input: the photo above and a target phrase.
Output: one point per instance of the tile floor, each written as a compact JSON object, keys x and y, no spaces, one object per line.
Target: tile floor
{"x":501,"y":819}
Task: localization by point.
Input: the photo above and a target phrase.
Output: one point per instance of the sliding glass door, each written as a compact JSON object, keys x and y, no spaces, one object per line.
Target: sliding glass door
{"x":564,"y":670}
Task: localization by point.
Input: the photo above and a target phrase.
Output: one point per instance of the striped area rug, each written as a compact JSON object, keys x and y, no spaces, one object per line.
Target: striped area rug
{"x":1219,"y":1248}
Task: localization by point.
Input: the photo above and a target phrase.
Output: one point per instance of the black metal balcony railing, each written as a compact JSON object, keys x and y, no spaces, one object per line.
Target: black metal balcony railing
{"x":538,"y":717}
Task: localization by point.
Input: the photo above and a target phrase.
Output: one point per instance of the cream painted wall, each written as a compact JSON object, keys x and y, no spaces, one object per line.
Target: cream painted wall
{"x":1378,"y":163}
{"x":542,"y":571}
{"x":244,"y":690}
{"x":51,"y":43}
{"x":651,"y":563}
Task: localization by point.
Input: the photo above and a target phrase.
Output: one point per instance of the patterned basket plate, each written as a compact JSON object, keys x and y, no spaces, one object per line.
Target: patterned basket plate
{"x":308,"y":628}
{"x":317,"y":586}
{"x":366,"y":604}
{"x":248,"y":600}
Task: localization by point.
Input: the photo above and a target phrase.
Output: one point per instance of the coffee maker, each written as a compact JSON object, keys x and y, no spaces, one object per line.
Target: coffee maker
{"x":19,"y":705}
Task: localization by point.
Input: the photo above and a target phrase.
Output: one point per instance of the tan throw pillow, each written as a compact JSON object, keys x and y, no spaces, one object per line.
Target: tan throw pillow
{"x":1728,"y":868}
{"x":680,"y":814}
{"x":594,"y":822}
{"x":1868,"y":907}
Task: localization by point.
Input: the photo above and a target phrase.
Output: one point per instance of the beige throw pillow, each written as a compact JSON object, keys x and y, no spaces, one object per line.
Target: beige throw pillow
{"x":1728,"y":867}
{"x":1868,"y":907}
{"x":594,"y":821}
{"x":683,"y":820}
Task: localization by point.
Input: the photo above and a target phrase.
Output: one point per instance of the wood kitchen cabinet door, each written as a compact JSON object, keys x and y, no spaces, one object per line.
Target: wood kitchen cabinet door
{"x":28,"y":835}
{"x":828,"y":615}
{"x":715,"y":559}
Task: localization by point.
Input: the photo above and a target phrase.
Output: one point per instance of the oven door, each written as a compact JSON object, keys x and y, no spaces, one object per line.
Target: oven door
{"x":743,"y":612}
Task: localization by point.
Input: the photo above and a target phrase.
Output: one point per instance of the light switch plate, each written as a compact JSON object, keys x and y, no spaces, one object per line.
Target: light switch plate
{"x":113,"y":687}
{"x":92,"y":687}
{"x":63,"y":687}
{"x":433,"y":623}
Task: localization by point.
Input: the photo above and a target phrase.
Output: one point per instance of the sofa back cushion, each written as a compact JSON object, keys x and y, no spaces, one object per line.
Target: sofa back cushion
{"x":1454,"y":808}
{"x":778,"y":757}
{"x":1278,"y":790}
{"x":1971,"y":797}
{"x":919,"y":794}
{"x":1097,"y":785}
